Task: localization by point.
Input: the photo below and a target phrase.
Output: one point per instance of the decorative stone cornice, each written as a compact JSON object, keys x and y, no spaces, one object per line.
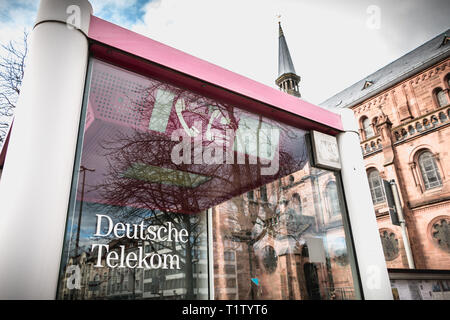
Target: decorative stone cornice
{"x":414,"y":80}
{"x":430,"y":121}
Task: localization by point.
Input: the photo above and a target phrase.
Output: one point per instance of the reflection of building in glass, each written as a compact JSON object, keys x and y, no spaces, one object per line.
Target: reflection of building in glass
{"x":286,"y":238}
{"x":283,"y":241}
{"x":139,"y":283}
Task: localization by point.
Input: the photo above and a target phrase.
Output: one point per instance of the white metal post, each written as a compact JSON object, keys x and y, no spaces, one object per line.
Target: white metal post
{"x":210,"y":243}
{"x":369,"y":252}
{"x":36,"y":178}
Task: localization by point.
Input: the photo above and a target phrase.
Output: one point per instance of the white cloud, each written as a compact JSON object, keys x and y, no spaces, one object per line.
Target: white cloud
{"x":331,"y":46}
{"x":15,"y":17}
{"x":243,"y":36}
{"x":237,"y":35}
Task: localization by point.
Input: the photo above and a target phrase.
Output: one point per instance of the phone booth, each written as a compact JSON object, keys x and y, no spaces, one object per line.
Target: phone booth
{"x":137,"y":171}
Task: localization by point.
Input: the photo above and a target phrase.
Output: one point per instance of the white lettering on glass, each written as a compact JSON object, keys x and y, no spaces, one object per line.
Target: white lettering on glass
{"x":135,"y":257}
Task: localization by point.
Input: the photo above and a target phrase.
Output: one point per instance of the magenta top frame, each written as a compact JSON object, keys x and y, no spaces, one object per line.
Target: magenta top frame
{"x":144,"y":55}
{"x":137,"y":53}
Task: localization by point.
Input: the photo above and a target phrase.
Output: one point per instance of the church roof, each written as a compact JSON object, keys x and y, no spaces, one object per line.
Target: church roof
{"x":285,"y":64}
{"x":404,"y":67}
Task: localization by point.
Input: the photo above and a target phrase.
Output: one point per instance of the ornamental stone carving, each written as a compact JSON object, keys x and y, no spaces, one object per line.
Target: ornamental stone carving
{"x":390,"y":244}
{"x":440,"y":232}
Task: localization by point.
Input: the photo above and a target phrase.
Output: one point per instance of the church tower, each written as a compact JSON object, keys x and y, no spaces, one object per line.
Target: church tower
{"x":287,"y":78}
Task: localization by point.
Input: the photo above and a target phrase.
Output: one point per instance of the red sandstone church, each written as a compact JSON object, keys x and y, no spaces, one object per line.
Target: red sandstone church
{"x":403,"y":111}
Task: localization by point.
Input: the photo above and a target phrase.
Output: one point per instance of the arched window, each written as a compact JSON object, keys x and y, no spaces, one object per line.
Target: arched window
{"x":291,"y":179}
{"x":434,"y":120}
{"x":298,"y":203}
{"x":379,"y":144}
{"x":374,"y":124}
{"x":263,"y":193}
{"x":441,"y":97}
{"x":403,"y":133}
{"x":429,"y":170}
{"x":332,"y":198}
{"x":419,"y":127}
{"x":442,"y":117}
{"x":367,"y":128}
{"x":376,"y":186}
{"x":389,"y":242}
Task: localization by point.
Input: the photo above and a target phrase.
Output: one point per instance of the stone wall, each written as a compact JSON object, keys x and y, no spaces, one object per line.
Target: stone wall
{"x":406,"y":120}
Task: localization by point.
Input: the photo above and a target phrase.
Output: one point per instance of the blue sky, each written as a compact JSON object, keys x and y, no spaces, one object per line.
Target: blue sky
{"x":331,"y":43}
{"x":122,"y":12}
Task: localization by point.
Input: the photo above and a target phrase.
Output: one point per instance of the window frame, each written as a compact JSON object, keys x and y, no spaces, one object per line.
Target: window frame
{"x":425,"y":181}
{"x":366,"y":128}
{"x":332,"y":199}
{"x":439,"y":94}
{"x":296,"y":198}
{"x":377,"y":200}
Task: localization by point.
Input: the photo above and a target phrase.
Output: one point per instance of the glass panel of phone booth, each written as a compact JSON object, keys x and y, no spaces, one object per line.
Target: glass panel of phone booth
{"x":152,"y":159}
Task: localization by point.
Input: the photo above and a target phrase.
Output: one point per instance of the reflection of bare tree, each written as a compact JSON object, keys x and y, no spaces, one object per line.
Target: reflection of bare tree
{"x":137,"y":199}
{"x":126,"y":148}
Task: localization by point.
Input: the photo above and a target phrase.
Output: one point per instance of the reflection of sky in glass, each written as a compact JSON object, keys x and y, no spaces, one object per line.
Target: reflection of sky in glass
{"x":89,"y":224}
{"x":338,"y":245}
{"x":126,"y":135}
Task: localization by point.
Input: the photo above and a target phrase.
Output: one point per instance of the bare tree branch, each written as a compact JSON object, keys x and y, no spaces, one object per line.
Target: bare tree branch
{"x":12,"y":70}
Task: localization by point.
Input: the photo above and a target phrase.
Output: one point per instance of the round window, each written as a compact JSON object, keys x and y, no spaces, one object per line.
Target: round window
{"x":390,"y":245}
{"x":440,"y":232}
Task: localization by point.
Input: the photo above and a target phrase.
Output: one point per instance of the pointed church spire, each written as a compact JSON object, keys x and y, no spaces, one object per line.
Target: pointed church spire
{"x":287,"y":78}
